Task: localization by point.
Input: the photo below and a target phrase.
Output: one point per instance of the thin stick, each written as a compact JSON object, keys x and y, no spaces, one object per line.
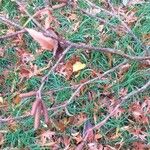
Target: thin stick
{"x":106,"y":50}
{"x":83,"y":46}
{"x":143,"y":88}
{"x":10,"y":35}
{"x":98,"y":18}
{"x":122,"y":22}
{"x":71,"y":98}
{"x":122,"y":100}
{"x":92,"y":80}
{"x":51,"y":70}
{"x":57,"y":6}
{"x":9,"y":22}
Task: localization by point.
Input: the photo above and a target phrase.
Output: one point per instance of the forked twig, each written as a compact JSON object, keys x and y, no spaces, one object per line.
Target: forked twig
{"x":122,"y":100}
{"x":113,"y":14}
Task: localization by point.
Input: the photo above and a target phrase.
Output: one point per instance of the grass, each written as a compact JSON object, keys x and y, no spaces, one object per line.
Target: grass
{"x":21,"y":134}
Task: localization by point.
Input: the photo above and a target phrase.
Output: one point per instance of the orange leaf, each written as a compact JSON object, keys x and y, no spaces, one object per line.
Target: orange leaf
{"x":45,"y":42}
{"x":16,"y":100}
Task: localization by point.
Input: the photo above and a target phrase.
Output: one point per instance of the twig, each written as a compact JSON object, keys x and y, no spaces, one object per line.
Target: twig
{"x":92,"y":80}
{"x":9,"y":22}
{"x":31,"y":17}
{"x":71,"y":98}
{"x":111,"y":6}
{"x":5,"y":120}
{"x":51,"y":70}
{"x":57,"y":6}
{"x":122,"y":22}
{"x":122,"y":100}
{"x":10,"y":35}
{"x":98,"y":18}
{"x":106,"y":50}
{"x":83,"y":46}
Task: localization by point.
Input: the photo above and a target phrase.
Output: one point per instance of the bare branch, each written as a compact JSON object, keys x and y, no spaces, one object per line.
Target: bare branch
{"x":122,"y":100}
{"x":122,"y":22}
{"x":12,"y":34}
{"x":143,"y":88}
{"x":9,"y":22}
{"x":106,"y":50}
{"x":98,"y":18}
{"x":57,"y":6}
{"x":71,"y":98}
{"x":51,"y":70}
{"x":83,"y":46}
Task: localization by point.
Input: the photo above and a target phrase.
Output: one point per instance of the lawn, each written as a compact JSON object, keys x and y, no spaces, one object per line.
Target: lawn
{"x":74,"y":75}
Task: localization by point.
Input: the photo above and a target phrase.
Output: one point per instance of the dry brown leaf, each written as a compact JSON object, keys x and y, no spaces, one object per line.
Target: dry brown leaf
{"x":138,"y":133}
{"x":139,"y":146}
{"x":16,"y":99}
{"x":47,"y":14}
{"x":123,"y":69}
{"x":75,"y":26}
{"x":13,"y":126}
{"x":130,"y":18}
{"x":100,"y":27}
{"x":139,"y":112}
{"x":77,"y":137}
{"x":123,"y":92}
{"x":24,"y":56}
{"x":46,"y":137}
{"x":66,"y":69}
{"x":45,"y":42}
{"x":94,"y":11}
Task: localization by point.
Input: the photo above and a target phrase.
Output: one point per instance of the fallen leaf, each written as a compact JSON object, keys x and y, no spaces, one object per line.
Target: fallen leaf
{"x":73,"y":17}
{"x":1,"y":100}
{"x":90,"y":134}
{"x":139,"y":112}
{"x":139,"y":145}
{"x":1,"y":139}
{"x":46,"y":137}
{"x":24,"y":56}
{"x":16,"y":99}
{"x":123,"y":92}
{"x":77,"y":137}
{"x":78,"y":66}
{"x":47,"y":14}
{"x":80,"y":146}
{"x":123,"y":69}
{"x":44,"y":41}
{"x":138,"y":133}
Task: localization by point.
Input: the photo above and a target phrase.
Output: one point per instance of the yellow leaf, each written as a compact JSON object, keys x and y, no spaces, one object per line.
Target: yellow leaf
{"x":78,"y":66}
